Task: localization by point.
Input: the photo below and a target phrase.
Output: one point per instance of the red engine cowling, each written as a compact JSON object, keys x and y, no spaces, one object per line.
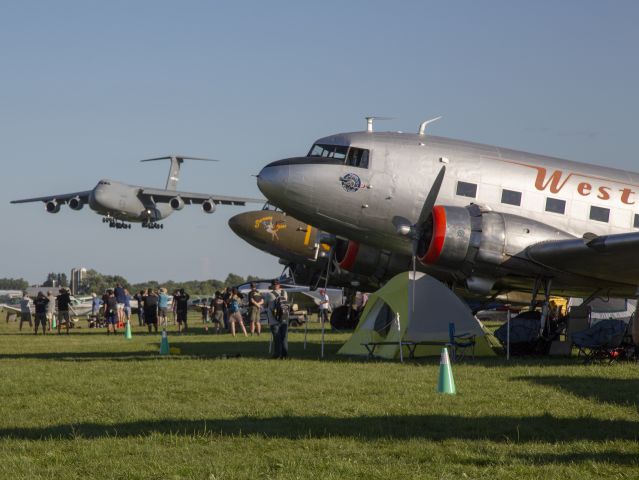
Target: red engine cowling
{"x":366,"y":260}
{"x":467,"y":238}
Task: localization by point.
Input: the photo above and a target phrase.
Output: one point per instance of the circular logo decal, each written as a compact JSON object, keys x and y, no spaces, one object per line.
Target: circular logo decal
{"x":351,"y":182}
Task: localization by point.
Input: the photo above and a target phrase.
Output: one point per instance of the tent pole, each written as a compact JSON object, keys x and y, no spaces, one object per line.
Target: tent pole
{"x":399,"y":331}
{"x":305,"y":330}
{"x":508,"y":334}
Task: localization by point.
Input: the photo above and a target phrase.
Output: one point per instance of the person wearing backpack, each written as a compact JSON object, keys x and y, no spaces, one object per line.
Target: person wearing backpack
{"x":277,"y":312}
{"x":235,"y":315}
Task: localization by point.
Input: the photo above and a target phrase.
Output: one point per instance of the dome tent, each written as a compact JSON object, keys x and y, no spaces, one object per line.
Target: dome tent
{"x":435,"y":307}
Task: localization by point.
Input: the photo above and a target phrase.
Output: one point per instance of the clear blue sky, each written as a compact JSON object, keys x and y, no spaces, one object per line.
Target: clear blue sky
{"x":87,"y":88}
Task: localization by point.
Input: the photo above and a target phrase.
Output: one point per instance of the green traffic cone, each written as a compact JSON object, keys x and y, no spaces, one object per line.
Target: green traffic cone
{"x":446,"y":382}
{"x":164,"y":345}
{"x":127,"y":331}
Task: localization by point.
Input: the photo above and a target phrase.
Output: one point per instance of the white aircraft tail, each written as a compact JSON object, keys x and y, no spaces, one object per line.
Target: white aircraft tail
{"x":174,"y":170}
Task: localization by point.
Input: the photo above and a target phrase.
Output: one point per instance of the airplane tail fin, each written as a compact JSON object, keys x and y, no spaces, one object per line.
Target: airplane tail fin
{"x":174,"y":170}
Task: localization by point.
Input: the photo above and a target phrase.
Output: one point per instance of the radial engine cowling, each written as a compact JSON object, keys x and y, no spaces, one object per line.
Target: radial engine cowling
{"x":76,"y":203}
{"x":467,"y":239}
{"x":208,"y":206}
{"x":52,"y":206}
{"x":176,"y":203}
{"x":369,"y":261}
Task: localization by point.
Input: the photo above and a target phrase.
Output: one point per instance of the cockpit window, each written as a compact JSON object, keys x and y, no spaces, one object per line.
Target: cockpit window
{"x":355,"y":157}
{"x":104,"y":182}
{"x":328,"y":151}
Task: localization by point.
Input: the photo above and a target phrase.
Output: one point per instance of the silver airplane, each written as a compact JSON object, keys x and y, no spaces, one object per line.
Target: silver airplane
{"x":489,"y":219}
{"x":119,"y":202}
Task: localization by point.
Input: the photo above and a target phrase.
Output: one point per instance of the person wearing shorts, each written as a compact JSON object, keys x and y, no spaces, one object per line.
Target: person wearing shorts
{"x":235,"y":315}
{"x":112,"y":313}
{"x":41,"y":303}
{"x":181,"y":309}
{"x":218,"y":307}
{"x":163,"y":307}
{"x":63,"y":302}
{"x":50,"y":309}
{"x":254,"y":308}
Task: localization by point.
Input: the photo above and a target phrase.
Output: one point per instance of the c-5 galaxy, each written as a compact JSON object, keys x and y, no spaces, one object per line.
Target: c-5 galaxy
{"x":120,"y":202}
{"x":486,"y":219}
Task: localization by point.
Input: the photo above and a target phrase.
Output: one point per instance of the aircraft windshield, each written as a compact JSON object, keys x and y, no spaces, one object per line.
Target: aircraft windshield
{"x":328,"y":151}
{"x":356,"y":157}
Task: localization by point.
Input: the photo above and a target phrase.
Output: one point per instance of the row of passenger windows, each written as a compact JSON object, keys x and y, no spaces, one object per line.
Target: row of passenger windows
{"x":554,"y":205}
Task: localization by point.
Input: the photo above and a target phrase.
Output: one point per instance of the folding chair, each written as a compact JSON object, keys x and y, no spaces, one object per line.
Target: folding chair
{"x":461,"y":342}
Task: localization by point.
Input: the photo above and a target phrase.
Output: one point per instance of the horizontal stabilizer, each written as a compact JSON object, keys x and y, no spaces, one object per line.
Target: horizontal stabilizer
{"x":179,"y":157}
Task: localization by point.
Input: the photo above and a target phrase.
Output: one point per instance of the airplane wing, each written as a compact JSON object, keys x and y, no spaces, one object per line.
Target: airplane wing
{"x":159,"y":195}
{"x":613,"y":258}
{"x":62,"y":198}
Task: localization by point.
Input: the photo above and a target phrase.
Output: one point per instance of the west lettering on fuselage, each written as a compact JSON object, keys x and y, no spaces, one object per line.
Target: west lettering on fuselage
{"x":537,"y":198}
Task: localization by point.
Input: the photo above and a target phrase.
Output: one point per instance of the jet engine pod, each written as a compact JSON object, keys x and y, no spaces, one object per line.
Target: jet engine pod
{"x":76,"y":203}
{"x":208,"y":206}
{"x":53,"y":206}
{"x":365,"y":260}
{"x":176,"y":203}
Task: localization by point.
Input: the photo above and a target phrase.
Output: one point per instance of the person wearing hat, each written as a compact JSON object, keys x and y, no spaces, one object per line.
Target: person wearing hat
{"x":324,"y":305}
{"x":278,"y":325}
{"x":255,"y":301}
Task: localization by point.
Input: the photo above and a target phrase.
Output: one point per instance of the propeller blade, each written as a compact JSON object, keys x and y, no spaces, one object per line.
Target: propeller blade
{"x":431,"y":198}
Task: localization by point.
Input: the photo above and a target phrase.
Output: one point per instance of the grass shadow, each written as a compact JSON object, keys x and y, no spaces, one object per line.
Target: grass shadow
{"x":497,"y":428}
{"x":617,"y":391}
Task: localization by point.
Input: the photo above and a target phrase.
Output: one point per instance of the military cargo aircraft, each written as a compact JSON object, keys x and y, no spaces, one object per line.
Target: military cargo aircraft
{"x":490,"y":219}
{"x":120,"y":203}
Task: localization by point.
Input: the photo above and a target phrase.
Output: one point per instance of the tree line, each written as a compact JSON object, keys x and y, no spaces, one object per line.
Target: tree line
{"x":96,"y":282}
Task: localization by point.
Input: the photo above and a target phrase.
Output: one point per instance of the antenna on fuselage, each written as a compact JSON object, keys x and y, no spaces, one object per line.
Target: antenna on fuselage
{"x":369,"y":122}
{"x":423,"y":125}
{"x":174,"y":170}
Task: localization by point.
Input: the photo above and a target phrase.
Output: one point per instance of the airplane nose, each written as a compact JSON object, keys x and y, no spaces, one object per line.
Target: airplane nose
{"x":273,"y":181}
{"x":239,"y":224}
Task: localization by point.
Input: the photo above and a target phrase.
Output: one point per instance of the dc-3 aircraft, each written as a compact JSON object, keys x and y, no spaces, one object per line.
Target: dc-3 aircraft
{"x":486,"y":219}
{"x":120,"y":203}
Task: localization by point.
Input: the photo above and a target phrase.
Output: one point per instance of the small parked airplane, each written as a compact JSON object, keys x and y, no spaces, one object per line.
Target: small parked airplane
{"x":120,"y":202}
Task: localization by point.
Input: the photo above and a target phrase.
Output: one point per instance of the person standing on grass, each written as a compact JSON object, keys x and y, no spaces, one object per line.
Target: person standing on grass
{"x":163,"y":307}
{"x":41,"y":303}
{"x":25,"y":310}
{"x":254,"y":308}
{"x":112,"y":312}
{"x":118,"y":291}
{"x":226,"y":296}
{"x":127,"y":306}
{"x":63,"y":302}
{"x":235,"y":314}
{"x":181,"y":310}
{"x":138,"y":297}
{"x":96,"y":302}
{"x":324,"y":305}
{"x":277,"y":321}
{"x":218,"y":307}
{"x":150,"y":301}
{"x":50,"y":309}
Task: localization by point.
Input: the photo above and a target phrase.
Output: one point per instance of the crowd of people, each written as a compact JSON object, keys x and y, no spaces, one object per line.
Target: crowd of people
{"x":156,"y":309}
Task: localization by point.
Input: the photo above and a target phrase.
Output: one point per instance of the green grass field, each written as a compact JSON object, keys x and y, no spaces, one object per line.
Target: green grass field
{"x":91,"y":406}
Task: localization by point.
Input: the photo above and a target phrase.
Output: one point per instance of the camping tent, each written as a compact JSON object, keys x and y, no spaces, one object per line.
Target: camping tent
{"x":435,"y":307}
